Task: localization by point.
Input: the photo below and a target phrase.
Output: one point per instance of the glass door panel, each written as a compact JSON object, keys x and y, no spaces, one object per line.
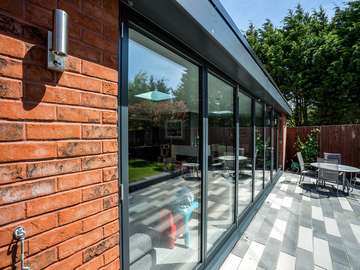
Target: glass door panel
{"x":164,"y":167}
{"x":268,"y":146}
{"x":221,"y":168}
{"x":245,"y":153}
{"x":259,"y":147}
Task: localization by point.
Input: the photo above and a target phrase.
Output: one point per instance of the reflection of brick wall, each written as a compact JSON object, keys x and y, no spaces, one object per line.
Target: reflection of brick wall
{"x":58,"y":148}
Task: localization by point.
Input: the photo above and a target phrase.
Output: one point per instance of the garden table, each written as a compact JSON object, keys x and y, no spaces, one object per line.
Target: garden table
{"x":338,"y":168}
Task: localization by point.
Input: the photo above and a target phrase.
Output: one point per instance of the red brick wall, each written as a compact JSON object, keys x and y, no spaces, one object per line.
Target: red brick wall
{"x":58,"y":148}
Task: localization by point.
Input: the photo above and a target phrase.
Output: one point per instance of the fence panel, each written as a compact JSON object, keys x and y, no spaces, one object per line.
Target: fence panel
{"x":344,"y":139}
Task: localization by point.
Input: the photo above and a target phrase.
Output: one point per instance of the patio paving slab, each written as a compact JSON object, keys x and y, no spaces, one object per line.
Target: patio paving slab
{"x":301,"y":227}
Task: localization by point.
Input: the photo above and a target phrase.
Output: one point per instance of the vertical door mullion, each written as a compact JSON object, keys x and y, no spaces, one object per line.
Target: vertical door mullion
{"x":253,"y":138}
{"x":204,"y":159}
{"x":237,"y":145}
{"x":123,"y":138}
{"x":272,"y":143}
{"x":264,"y":142}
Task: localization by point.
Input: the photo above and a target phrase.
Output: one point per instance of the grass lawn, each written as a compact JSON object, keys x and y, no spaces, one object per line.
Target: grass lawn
{"x":139,"y":168}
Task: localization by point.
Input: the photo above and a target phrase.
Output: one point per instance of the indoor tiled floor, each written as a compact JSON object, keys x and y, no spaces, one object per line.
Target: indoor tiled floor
{"x":299,"y":227}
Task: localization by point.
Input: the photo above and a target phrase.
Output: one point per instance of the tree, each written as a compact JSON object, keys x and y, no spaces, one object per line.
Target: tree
{"x":315,"y":62}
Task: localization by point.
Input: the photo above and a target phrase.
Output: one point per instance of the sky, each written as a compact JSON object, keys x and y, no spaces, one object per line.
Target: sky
{"x":257,"y":11}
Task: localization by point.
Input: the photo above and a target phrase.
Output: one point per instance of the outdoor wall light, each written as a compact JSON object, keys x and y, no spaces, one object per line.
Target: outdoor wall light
{"x":58,"y":41}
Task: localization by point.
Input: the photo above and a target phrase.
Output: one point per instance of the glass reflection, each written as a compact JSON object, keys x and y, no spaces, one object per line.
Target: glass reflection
{"x":245,"y":153}
{"x":259,"y":147}
{"x":268,"y":146}
{"x":164,"y":170}
{"x":221,"y":169}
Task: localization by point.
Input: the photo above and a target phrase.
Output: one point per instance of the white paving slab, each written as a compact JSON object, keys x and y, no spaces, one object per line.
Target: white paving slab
{"x":287,"y":202}
{"x":252,"y":256}
{"x":316,"y":213}
{"x":305,"y":238}
{"x":298,"y":190}
{"x":356,"y":231}
{"x":284,"y":187}
{"x":331,"y":227}
{"x":278,"y":229}
{"x":285,"y":262}
{"x":345,"y":204}
{"x":306,"y":198}
{"x":322,"y":256}
{"x":232,"y":262}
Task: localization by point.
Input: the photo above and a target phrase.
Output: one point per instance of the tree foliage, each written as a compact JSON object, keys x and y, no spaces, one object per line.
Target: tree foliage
{"x":315,"y":62}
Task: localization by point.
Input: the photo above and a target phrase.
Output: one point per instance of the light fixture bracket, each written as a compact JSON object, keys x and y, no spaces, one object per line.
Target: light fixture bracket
{"x":55,"y":61}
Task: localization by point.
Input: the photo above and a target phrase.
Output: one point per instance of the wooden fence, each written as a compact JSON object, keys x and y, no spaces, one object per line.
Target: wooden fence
{"x":344,"y":139}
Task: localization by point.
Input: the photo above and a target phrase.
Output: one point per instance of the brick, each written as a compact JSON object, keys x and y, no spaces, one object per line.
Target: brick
{"x":35,"y":54}
{"x":11,"y":213}
{"x":53,"y":237}
{"x":52,"y":202}
{"x":110,"y":174}
{"x":100,"y":219}
{"x":49,"y":4}
{"x":7,"y":259}
{"x":10,"y":68}
{"x":100,"y":248}
{"x":12,"y":173}
{"x":18,"y":111}
{"x":111,"y":8}
{"x":110,"y":60}
{"x":98,"y":132}
{"x":78,"y":180}
{"x":10,"y":88}
{"x":80,"y":211}
{"x":93,"y":39}
{"x":26,"y":151}
{"x":33,"y":227}
{"x":38,"y":15}
{"x":114,"y":265}
{"x":93,"y":264}
{"x":111,"y":228}
{"x":12,"y":47}
{"x":54,"y":167}
{"x":99,"y":161}
{"x":109,"y":117}
{"x":111,"y":201}
{"x":110,"y":88}
{"x":99,"y":190}
{"x":52,"y":131}
{"x":85,"y":52}
{"x":12,"y":6}
{"x":38,"y":73}
{"x":69,"y":263}
{"x":51,"y":94}
{"x":78,"y":115}
{"x":73,"y":64}
{"x":80,"y":242}
{"x":80,"y":82}
{"x":43,"y":259}
{"x":99,"y":71}
{"x":111,"y":31}
{"x":110,"y":146}
{"x":24,"y":191}
{"x":78,"y":148}
{"x":98,"y":101}
{"x":11,"y":131}
{"x":111,"y":255}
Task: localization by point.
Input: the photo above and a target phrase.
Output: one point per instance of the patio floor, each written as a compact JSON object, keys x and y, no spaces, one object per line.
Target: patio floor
{"x":298,"y":227}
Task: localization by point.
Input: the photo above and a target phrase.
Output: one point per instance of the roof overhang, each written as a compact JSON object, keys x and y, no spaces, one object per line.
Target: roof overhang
{"x":205,"y":26}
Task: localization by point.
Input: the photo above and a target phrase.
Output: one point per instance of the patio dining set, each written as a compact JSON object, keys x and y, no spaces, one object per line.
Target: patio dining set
{"x":330,"y":170}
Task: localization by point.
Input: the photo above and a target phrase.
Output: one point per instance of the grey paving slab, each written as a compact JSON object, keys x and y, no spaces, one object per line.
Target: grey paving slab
{"x":328,"y":223}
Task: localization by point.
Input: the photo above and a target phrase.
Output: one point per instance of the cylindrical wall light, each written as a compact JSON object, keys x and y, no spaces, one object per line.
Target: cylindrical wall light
{"x":58,"y":41}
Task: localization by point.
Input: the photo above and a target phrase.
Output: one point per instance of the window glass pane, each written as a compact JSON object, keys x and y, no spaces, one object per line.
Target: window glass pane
{"x":245,"y":153}
{"x":268,"y":152}
{"x":164,"y":176}
{"x":221,"y":174}
{"x":259,"y":147}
